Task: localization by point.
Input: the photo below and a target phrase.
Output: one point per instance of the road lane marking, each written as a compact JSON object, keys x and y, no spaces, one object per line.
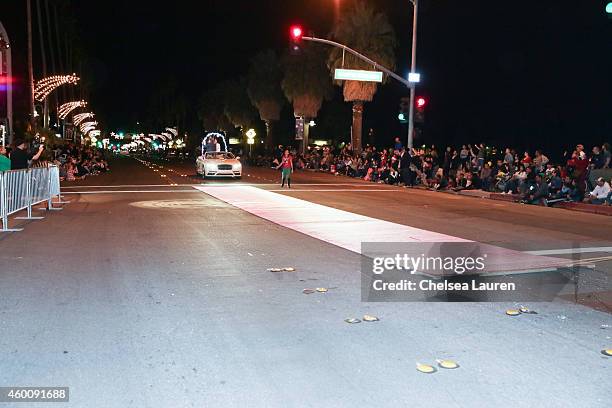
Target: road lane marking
{"x":369,"y":190}
{"x":220,"y":184}
{"x":349,"y":230}
{"x":126,"y":191}
{"x":570,"y":251}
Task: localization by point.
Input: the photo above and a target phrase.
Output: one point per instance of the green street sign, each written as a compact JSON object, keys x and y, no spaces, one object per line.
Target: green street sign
{"x":357,"y":75}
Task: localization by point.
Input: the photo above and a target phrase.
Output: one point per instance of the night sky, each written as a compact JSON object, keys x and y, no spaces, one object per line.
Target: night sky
{"x":528,"y":73}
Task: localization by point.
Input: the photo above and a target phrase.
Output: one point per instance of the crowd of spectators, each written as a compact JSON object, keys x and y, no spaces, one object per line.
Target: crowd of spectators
{"x":75,"y":162}
{"x":532,"y":178}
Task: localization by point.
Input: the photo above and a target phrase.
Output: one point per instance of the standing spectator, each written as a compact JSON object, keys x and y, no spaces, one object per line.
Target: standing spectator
{"x":508,"y":157}
{"x":464,"y":154}
{"x":5,"y":162}
{"x":540,"y":161}
{"x":597,"y":159}
{"x":398,"y":144}
{"x":20,"y":156}
{"x":605,"y":152}
{"x":527,"y":160}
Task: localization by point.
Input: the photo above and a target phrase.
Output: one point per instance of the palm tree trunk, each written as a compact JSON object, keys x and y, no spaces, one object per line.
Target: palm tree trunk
{"x":269,"y":141}
{"x":357,"y":125}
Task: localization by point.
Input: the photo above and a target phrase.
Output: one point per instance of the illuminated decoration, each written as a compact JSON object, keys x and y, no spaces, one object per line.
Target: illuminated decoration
{"x":68,"y":107}
{"x":94,"y":133}
{"x":220,"y":138}
{"x":88,"y":129}
{"x":148,"y":139}
{"x":77,"y":119}
{"x":45,"y":86}
{"x":173,"y":131}
{"x":86,"y":125}
{"x":168,"y":135}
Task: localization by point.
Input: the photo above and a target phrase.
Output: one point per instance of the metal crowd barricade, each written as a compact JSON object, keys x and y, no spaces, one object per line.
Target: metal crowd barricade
{"x":22,"y":189}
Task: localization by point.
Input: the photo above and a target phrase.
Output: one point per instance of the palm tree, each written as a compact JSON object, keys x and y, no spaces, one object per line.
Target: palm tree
{"x":369,"y":32}
{"x":237,"y":106}
{"x":306,"y":83}
{"x":264,"y":90}
{"x":211,"y":110}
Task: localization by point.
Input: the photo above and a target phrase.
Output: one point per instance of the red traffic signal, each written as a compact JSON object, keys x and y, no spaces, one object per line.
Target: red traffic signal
{"x":296,"y":33}
{"x":421,"y":102}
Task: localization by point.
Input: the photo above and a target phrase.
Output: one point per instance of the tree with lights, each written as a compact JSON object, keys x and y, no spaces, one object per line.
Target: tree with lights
{"x":368,"y":31}
{"x":264,"y":90}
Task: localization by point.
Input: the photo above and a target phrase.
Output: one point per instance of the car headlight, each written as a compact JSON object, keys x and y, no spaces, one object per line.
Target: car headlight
{"x":210,"y":166}
{"x":237,"y":166}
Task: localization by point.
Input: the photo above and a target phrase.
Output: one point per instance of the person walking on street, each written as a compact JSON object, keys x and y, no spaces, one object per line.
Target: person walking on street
{"x":286,"y":166}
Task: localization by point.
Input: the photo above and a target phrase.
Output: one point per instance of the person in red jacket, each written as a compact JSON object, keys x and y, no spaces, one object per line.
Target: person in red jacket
{"x":286,"y":164}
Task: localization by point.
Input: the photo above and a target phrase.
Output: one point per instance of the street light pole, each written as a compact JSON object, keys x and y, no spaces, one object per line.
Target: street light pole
{"x":415,"y":4}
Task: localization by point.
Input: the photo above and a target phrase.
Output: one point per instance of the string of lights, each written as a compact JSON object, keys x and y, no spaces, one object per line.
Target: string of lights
{"x":77,"y":119}
{"x":45,"y":86}
{"x":68,"y":107}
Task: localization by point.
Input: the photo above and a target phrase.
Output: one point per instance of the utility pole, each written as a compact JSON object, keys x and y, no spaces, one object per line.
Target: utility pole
{"x":30,"y":67}
{"x":415,"y":4}
{"x":6,"y":44}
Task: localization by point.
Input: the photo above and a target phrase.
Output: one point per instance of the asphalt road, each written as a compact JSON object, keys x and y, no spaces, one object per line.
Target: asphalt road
{"x":146,"y":292}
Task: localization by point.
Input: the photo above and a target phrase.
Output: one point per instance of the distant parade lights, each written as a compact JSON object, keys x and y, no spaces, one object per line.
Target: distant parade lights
{"x":68,"y":107}
{"x":45,"y":86}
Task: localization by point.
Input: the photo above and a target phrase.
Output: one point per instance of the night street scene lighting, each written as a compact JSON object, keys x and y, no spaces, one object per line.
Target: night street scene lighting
{"x":323,"y":203}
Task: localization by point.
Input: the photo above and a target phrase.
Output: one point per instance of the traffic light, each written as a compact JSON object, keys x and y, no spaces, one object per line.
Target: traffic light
{"x":421,"y":102}
{"x":404,"y":110}
{"x":295,"y":35}
{"x":419,"y":114}
{"x":609,"y":10}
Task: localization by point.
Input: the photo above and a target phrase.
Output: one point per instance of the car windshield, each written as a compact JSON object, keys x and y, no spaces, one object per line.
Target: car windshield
{"x":219,"y":155}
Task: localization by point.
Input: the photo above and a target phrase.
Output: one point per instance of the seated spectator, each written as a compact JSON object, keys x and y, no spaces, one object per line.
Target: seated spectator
{"x":538,"y":193}
{"x":600,"y":193}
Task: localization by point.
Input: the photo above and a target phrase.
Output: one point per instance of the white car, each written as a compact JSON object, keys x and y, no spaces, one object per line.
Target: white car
{"x":219,"y":164}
